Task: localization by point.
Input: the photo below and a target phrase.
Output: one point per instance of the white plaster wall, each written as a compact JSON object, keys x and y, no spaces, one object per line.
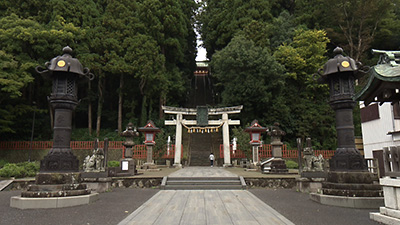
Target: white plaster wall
{"x":374,"y":132}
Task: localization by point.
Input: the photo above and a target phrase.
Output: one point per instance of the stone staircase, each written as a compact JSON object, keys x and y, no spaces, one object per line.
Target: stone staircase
{"x":201,"y":145}
{"x":203,"y":183}
{"x":200,"y":149}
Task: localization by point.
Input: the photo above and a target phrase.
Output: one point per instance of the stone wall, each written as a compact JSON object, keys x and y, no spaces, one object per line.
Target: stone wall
{"x":271,"y":182}
{"x":155,"y":182}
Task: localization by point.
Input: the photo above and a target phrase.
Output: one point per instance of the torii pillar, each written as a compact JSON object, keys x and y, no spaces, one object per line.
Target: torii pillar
{"x":178,"y":140}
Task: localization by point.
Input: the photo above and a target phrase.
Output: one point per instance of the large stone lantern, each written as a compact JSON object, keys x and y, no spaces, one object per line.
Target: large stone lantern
{"x":58,"y":183}
{"x":340,"y":73}
{"x":64,"y":71}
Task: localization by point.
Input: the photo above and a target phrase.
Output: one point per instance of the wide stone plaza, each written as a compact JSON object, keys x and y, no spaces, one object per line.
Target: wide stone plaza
{"x":154,"y":206}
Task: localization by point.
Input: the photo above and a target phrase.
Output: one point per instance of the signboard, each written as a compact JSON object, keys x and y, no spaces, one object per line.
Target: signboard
{"x":202,"y":116}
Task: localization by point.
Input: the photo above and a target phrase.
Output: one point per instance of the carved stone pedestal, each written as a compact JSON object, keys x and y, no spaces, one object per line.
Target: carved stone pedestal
{"x":278,"y":166}
{"x":128,"y":167}
{"x":54,"y":190}
{"x":56,"y":185}
{"x":352,"y":184}
{"x":350,"y":189}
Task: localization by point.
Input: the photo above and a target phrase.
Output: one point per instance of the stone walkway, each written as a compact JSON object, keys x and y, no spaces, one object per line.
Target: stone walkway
{"x":202,"y":172}
{"x":187,"y":207}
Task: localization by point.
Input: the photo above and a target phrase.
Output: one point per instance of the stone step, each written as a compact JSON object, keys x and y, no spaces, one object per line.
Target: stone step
{"x":203,"y":183}
{"x":203,"y":187}
{"x":352,"y":193}
{"x":351,"y":186}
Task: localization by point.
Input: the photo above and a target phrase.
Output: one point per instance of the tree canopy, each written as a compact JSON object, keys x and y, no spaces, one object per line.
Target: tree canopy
{"x":263,"y":55}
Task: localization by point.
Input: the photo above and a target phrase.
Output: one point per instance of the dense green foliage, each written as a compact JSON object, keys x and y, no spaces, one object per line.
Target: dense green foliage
{"x":263,"y":56}
{"x":141,"y":52}
{"x":19,"y":170}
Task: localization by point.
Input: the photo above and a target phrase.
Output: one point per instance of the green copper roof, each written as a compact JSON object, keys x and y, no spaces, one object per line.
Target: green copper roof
{"x":384,"y":80}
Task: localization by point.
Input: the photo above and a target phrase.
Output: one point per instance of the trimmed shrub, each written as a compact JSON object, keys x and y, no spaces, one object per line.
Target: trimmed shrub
{"x":290,"y":164}
{"x":113,"y":164}
{"x":20,"y":170}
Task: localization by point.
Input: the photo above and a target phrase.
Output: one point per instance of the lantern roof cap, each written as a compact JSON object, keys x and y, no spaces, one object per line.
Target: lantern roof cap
{"x":64,"y":63}
{"x":339,"y":64}
{"x":255,"y":127}
{"x":149,"y":127}
{"x":130,"y":131}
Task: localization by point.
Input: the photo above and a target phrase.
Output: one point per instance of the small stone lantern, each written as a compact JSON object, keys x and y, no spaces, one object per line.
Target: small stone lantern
{"x":255,"y":130}
{"x":278,"y":165}
{"x":339,"y":73}
{"x":149,"y":131}
{"x":128,"y":166}
{"x":129,"y":133}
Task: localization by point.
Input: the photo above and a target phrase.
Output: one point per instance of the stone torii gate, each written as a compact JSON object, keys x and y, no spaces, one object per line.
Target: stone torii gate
{"x":202,"y":120}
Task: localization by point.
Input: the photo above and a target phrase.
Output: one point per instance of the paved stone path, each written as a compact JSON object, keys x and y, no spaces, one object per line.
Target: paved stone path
{"x":202,"y":172}
{"x":187,"y":207}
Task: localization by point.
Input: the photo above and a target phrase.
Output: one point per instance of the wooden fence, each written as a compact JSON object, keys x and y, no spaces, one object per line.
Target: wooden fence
{"x":265,"y":151}
{"x":139,"y":151}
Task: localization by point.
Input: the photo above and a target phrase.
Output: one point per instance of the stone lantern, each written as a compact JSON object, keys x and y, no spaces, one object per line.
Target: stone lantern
{"x":128,"y":166}
{"x":348,"y":183}
{"x":64,"y":71}
{"x":149,"y":131}
{"x":129,"y":133}
{"x":255,"y":130}
{"x":278,"y":165}
{"x":339,"y":73}
{"x":58,"y":182}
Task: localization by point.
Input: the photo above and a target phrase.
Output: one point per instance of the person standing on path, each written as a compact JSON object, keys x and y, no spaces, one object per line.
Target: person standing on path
{"x":211,"y":157}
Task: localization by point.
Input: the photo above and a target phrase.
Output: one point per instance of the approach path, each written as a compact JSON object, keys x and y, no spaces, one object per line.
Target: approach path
{"x":186,"y":207}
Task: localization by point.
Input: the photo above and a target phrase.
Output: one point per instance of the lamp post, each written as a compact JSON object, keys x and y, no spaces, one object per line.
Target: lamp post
{"x":149,"y":131}
{"x":33,"y":130}
{"x":340,"y":73}
{"x":255,"y":130}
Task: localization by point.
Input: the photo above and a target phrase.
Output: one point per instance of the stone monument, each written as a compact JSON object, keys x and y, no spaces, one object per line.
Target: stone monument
{"x":95,"y":162}
{"x":94,"y":167}
{"x":311,"y":162}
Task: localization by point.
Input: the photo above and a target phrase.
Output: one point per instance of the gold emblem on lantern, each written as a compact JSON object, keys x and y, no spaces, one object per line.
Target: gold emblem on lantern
{"x":345,"y":64}
{"x":61,"y":63}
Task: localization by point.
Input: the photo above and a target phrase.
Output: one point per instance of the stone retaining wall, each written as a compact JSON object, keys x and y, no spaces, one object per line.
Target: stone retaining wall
{"x":155,"y":182}
{"x":271,"y":182}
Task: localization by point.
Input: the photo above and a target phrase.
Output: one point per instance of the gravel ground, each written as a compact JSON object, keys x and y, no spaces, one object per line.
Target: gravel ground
{"x":299,"y":209}
{"x":110,"y":209}
{"x":114,"y":206}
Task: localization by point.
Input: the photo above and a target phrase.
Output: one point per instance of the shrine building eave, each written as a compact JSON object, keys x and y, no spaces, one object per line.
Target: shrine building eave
{"x":383,"y":85}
